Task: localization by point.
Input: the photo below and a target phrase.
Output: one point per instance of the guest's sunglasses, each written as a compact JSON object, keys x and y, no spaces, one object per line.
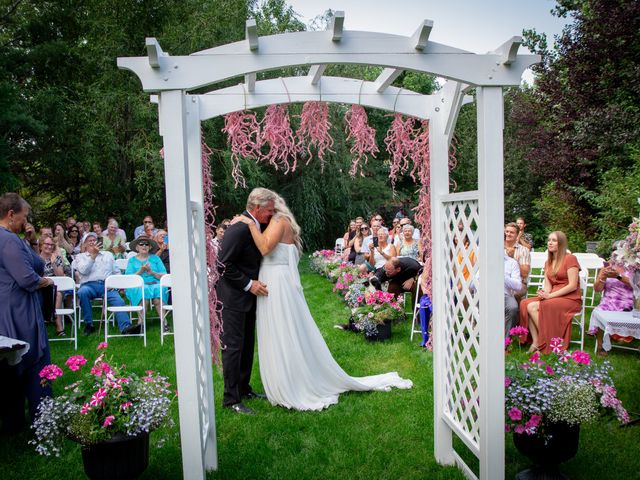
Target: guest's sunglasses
{"x":144,"y":244}
{"x":364,"y":228}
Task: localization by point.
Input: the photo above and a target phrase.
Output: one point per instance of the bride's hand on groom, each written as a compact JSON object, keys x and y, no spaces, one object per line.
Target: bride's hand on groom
{"x":259,"y":289}
{"x":241,"y":218}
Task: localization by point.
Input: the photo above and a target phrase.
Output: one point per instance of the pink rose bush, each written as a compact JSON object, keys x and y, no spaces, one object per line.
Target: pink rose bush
{"x":101,"y":400}
{"x":561,"y":387}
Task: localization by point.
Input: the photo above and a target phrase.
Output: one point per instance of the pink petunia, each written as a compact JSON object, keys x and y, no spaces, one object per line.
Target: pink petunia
{"x":507,"y":382}
{"x":515,"y":413}
{"x":102,"y":345}
{"x":519,"y":429}
{"x":548,"y":369}
{"x":85,"y":409}
{"x":507,"y":342}
{"x":535,"y":357}
{"x":108,"y":421}
{"x":51,"y":372}
{"x":556,"y":344}
{"x":125,"y":405}
{"x":520,"y":331}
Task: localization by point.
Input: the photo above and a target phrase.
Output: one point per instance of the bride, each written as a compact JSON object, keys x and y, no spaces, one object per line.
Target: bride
{"x":296,"y":367}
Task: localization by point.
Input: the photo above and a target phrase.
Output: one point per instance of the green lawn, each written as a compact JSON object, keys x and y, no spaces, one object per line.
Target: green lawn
{"x":375,"y":435}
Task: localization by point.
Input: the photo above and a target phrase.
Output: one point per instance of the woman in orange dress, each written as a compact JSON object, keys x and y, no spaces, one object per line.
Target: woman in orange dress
{"x":549,"y":314}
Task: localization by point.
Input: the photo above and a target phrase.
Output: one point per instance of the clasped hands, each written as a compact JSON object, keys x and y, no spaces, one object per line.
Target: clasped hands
{"x":543,"y":294}
{"x":258,"y":288}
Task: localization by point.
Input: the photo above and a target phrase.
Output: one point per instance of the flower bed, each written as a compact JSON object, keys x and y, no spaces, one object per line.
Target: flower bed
{"x":369,"y":308}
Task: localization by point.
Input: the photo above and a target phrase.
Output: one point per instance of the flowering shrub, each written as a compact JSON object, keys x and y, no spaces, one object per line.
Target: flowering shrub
{"x":627,"y":252}
{"x":98,"y":403}
{"x":559,"y":387}
{"x":378,"y":307}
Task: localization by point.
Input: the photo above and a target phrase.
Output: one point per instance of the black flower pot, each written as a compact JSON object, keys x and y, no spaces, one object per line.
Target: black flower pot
{"x":548,"y":450}
{"x":384,"y":332}
{"x":118,"y":458}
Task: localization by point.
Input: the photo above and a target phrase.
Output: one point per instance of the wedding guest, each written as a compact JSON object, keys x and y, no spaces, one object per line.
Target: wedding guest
{"x":140,"y":229}
{"x":220,"y":229}
{"x":151,"y":269}
{"x":549,"y":314}
{"x":86,"y":226}
{"x":69,"y":223}
{"x":55,"y":266}
{"x":614,"y":282}
{"x":356,"y":255}
{"x":30,"y":238}
{"x":379,"y":252}
{"x":112,"y":241}
{"x":346,"y":238}
{"x":518,"y":252}
{"x":408,"y":246}
{"x":407,"y":221}
{"x":73,"y":234}
{"x":400,"y":272}
{"x":512,"y":286}
{"x":21,"y":278}
{"x":524,"y":238}
{"x":162,"y":239}
{"x":150,"y":230}
{"x":97,"y":228}
{"x":373,"y":233}
{"x":119,"y":231}
{"x":93,"y":267}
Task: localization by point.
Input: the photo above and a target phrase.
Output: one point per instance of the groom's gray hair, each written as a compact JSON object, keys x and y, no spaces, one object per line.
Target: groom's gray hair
{"x":260,"y":197}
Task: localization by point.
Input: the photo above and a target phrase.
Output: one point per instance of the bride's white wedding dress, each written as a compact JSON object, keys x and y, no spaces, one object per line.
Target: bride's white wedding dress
{"x":296,"y":366}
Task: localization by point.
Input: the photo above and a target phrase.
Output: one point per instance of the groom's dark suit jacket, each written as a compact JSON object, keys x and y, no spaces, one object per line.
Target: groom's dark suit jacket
{"x":241,"y":259}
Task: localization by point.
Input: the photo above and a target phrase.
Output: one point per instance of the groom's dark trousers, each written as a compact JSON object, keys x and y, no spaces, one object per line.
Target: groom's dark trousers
{"x":241,"y":259}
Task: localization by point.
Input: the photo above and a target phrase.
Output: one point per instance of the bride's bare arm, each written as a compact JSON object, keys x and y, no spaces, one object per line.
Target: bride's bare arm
{"x":266,"y":241}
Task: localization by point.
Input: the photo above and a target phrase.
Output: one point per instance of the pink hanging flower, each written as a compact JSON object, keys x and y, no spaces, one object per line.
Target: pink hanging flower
{"x":400,"y":145}
{"x":314,"y":131}
{"x":51,"y":372}
{"x":108,"y":421}
{"x":362,"y":135}
{"x":74,"y":363}
{"x":243,"y":136}
{"x":277,"y":133}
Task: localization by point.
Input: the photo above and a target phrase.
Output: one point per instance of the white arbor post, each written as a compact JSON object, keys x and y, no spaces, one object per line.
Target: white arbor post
{"x":491,"y":283}
{"x":180,"y":128}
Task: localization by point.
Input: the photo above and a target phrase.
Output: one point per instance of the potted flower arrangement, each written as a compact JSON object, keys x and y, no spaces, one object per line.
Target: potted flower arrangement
{"x":548,"y":397}
{"x":380,"y":309}
{"x":324,"y":261}
{"x":627,"y":254}
{"x":106,"y":409}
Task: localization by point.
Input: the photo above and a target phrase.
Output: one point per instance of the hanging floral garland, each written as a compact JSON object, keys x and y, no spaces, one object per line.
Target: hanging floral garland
{"x":399,"y":142}
{"x":363,"y":136}
{"x":243,"y":136}
{"x":277,"y":133}
{"x":215,"y":315}
{"x":314,"y":132}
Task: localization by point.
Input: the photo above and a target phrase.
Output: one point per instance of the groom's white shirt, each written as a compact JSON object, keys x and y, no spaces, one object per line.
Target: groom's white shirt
{"x":248,"y":287}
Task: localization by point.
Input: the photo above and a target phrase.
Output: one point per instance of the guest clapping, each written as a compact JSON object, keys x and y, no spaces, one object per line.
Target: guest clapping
{"x":112,"y":241}
{"x":150,"y":268}
{"x":55,"y":266}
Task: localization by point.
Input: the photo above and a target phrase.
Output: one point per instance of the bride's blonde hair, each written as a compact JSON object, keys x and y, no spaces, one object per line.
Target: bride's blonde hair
{"x":282,"y":211}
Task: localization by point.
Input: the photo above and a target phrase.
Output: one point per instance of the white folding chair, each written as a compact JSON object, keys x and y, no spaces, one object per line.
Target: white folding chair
{"x":165,"y":309}
{"x":67,"y":284}
{"x":536,"y":278}
{"x":591,"y":264}
{"x":339,"y":246}
{"x":124,"y":282}
{"x":416,"y":317}
{"x":122,"y":263}
{"x":578,"y":318}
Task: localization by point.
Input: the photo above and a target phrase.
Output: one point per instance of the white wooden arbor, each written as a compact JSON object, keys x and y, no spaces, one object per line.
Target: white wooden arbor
{"x":468,"y":348}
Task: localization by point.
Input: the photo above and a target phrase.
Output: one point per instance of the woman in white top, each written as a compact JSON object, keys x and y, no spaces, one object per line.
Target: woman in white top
{"x":381,"y":252}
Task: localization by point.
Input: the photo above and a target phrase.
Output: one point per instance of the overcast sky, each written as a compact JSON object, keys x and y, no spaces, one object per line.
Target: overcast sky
{"x":478,"y":26}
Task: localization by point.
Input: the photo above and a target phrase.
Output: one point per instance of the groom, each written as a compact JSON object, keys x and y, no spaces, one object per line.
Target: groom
{"x":237,"y":289}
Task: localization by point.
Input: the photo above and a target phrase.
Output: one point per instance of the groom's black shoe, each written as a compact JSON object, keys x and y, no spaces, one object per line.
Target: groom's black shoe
{"x":241,"y":408}
{"x":252,"y":395}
